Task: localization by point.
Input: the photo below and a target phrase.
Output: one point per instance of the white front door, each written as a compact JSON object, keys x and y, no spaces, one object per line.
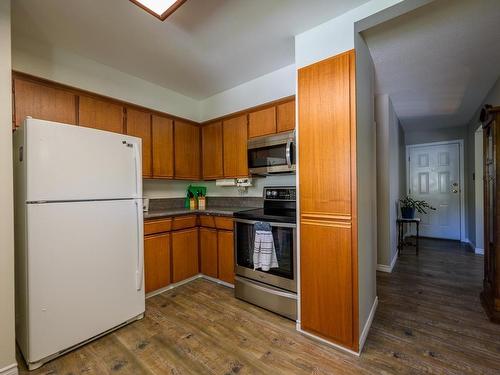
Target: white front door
{"x":434,"y":176}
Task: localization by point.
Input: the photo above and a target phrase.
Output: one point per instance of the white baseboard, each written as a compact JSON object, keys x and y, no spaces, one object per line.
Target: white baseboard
{"x":9,"y":370}
{"x":385,"y":268}
{"x":477,"y":250}
{"x":217,"y":281}
{"x":329,"y":343}
{"x":368,"y":324}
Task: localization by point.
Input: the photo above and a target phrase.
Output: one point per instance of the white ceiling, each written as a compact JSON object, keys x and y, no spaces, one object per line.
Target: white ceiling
{"x":438,"y":62}
{"x":205,"y":47}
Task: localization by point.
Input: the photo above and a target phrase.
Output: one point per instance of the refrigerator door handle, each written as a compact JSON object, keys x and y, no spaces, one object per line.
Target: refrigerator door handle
{"x":138,"y":170}
{"x":140,"y":247}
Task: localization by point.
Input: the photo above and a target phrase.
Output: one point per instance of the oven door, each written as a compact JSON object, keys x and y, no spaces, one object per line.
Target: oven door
{"x":285,"y":237}
{"x":271,"y":154}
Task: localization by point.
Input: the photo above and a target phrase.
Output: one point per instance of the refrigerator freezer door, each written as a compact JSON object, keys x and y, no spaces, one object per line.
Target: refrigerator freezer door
{"x":85,"y":271}
{"x":67,"y":162}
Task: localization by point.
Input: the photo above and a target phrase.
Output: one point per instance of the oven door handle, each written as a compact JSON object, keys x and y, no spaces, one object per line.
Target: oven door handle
{"x":273,"y":224}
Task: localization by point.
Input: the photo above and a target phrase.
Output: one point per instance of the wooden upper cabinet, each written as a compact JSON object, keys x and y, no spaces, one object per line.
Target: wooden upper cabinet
{"x":285,"y":116}
{"x":100,"y":114}
{"x":187,"y":150}
{"x":325,"y":136}
{"x":43,"y":102}
{"x":235,"y":147}
{"x":139,"y":125}
{"x":211,"y":139}
{"x":163,"y":147}
{"x":262,"y":122}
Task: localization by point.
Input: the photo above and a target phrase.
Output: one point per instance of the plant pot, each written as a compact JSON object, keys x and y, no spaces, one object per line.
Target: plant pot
{"x":408,"y":212}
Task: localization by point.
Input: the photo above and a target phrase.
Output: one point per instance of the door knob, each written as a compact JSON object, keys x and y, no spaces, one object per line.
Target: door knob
{"x":455,"y":191}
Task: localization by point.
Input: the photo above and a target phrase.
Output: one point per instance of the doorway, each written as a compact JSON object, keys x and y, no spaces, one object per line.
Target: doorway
{"x":435,"y":173}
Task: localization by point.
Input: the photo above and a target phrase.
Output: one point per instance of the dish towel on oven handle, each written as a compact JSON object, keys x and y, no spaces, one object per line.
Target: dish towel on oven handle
{"x":264,"y":253}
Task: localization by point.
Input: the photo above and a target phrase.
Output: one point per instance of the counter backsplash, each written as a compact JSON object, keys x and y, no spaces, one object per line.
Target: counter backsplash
{"x":171,"y":203}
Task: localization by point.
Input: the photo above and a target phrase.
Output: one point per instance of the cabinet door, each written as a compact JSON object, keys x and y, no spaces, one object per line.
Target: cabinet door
{"x":286,"y":116}
{"x":184,"y":254}
{"x":163,"y":147}
{"x":187,"y":150}
{"x":226,"y":256}
{"x":235,"y":147}
{"x":100,"y":114}
{"x":43,"y":102}
{"x":211,"y":139}
{"x":139,"y":125}
{"x":262,"y":122}
{"x":157,"y":261}
{"x":208,"y":252}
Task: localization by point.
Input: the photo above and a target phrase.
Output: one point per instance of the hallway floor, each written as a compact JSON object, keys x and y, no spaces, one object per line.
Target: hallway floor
{"x":429,"y":320}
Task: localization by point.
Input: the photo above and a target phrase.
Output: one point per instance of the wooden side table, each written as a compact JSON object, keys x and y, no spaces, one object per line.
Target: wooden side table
{"x":401,"y":240}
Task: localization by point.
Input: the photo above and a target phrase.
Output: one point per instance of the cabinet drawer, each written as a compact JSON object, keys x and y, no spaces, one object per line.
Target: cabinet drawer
{"x":157,"y":226}
{"x":184,"y":222}
{"x":225,"y":223}
{"x":207,"y":221}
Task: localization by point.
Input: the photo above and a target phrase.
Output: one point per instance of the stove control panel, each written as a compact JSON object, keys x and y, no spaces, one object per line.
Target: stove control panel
{"x":287,"y":193}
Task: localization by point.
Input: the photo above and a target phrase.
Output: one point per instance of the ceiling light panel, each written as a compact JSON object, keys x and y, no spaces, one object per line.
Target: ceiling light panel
{"x":159,"y":8}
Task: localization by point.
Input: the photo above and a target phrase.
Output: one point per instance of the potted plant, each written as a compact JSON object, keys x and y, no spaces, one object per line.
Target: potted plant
{"x":410,"y":205}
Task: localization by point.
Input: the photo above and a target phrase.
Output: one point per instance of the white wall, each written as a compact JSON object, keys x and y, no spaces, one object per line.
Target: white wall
{"x":390,"y":183}
{"x":177,"y":189}
{"x":435,"y":135}
{"x":269,"y":87}
{"x":7,"y":324}
{"x":334,"y":36}
{"x":71,"y":69}
{"x":366,"y":181}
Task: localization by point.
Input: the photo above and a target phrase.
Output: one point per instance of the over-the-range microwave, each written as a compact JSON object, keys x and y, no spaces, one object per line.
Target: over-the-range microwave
{"x":272,"y":154}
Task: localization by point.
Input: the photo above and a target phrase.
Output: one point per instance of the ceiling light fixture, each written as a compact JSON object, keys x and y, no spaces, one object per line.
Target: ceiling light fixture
{"x":159,"y":8}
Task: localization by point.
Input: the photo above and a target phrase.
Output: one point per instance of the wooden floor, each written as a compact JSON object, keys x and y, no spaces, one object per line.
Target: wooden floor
{"x":429,"y":320}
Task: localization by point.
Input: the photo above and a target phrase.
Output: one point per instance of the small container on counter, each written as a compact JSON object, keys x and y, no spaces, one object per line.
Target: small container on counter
{"x":192,"y":201}
{"x":202,"y":203}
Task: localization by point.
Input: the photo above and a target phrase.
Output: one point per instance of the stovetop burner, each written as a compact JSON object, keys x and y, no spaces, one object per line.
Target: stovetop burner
{"x":279,"y":206}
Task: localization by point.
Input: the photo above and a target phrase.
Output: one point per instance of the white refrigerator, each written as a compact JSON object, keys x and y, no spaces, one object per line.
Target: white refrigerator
{"x":79,"y":236}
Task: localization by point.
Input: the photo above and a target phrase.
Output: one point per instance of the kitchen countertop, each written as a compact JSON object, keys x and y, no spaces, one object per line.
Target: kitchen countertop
{"x":214,"y":211}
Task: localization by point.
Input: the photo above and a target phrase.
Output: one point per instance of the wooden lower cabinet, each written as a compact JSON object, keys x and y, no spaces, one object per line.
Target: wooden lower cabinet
{"x":157,"y":261}
{"x":208,"y":252}
{"x":225,"y":241}
{"x":327,"y":282}
{"x":184,"y":254}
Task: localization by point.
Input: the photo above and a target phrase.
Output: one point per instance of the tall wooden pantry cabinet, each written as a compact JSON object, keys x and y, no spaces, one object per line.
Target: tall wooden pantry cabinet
{"x":328,"y":200}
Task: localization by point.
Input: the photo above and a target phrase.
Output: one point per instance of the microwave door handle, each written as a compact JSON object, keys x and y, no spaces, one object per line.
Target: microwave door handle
{"x":288,"y":153}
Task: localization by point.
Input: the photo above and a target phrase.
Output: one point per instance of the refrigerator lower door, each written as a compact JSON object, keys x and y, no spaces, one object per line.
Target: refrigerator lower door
{"x":85,"y":272}
{"x":67,"y":162}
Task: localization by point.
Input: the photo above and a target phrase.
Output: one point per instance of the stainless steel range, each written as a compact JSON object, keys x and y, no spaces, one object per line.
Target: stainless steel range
{"x":275,"y":289}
